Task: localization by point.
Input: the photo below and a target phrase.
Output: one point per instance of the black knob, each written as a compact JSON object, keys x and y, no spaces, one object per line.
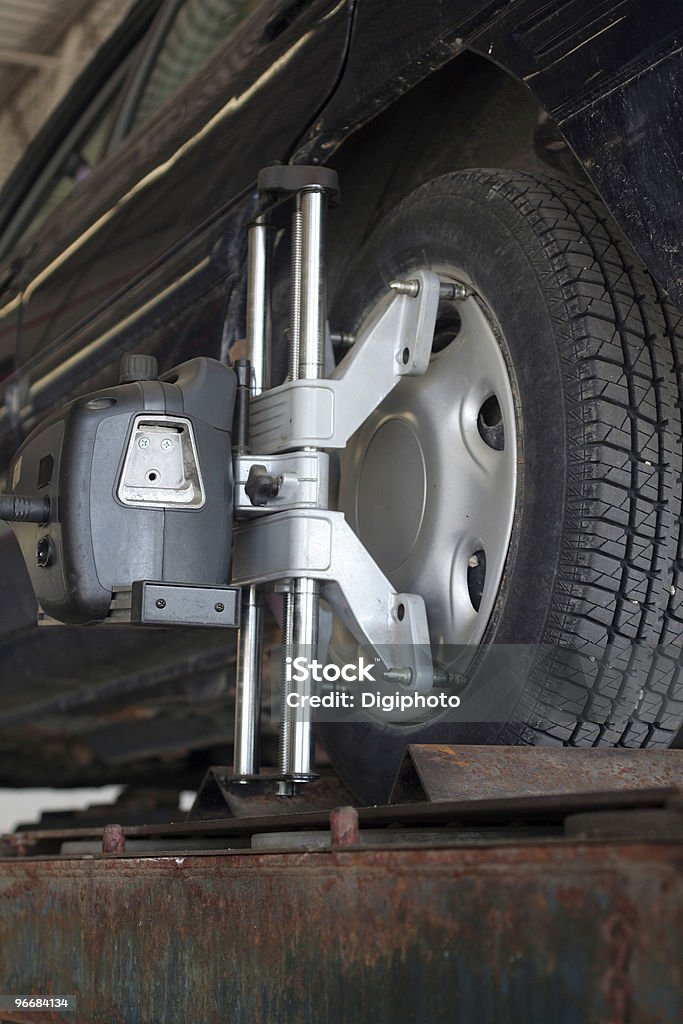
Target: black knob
{"x":137,"y":367}
{"x":261,"y":486}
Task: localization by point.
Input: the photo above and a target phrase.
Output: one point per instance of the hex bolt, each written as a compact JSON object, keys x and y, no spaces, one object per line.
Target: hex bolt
{"x":473,"y":561}
{"x":143,"y":443}
{"x":344,"y":829}
{"x":113,"y":839}
{"x":160,"y":603}
{"x":166,"y":444}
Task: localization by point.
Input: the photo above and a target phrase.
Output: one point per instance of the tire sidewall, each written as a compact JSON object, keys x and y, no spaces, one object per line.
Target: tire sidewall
{"x":484,"y":237}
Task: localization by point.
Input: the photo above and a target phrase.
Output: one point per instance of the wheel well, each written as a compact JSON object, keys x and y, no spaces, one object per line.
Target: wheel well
{"x":470,"y":113}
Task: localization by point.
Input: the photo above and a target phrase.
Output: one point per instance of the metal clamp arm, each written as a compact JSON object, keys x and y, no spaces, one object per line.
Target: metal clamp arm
{"x":394,"y":343}
{"x":321,"y":545}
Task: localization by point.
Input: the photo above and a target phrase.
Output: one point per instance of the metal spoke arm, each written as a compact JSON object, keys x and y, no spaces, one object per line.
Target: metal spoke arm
{"x":321,"y":545}
{"x":394,"y":343}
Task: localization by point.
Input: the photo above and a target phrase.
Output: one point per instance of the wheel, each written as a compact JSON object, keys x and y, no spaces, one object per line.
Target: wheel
{"x":529,"y":484}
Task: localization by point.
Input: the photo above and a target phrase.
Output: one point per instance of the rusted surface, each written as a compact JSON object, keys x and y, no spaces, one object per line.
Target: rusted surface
{"x":113,"y":839}
{"x":542,"y":811}
{"x":440,"y":772}
{"x":618,"y":932}
{"x":344,"y":829}
{"x":567,"y":933}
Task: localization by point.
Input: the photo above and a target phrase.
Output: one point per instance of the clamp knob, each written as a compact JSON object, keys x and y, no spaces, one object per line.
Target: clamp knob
{"x":136,"y":367}
{"x":261,"y":486}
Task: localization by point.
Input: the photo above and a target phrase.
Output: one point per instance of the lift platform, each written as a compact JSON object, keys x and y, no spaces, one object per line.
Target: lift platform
{"x":500,"y":884}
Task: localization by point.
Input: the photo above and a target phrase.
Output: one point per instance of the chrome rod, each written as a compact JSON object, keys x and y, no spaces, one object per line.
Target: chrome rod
{"x":258,"y":312}
{"x":250,"y":639}
{"x":295,"y":295}
{"x":312,"y":351}
{"x":300,"y":639}
{"x":248,"y":685}
{"x":306,"y":361}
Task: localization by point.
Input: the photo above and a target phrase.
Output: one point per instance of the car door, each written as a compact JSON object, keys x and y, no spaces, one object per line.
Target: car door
{"x":143,"y":252}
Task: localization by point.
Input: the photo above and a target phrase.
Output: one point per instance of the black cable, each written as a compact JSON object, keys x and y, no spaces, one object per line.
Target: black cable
{"x":14,"y":508}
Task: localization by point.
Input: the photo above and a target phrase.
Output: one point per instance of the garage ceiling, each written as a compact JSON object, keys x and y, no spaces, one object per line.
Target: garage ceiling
{"x":29,"y":31}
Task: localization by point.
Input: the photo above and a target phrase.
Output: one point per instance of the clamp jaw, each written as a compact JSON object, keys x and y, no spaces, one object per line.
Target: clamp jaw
{"x":298,"y":535}
{"x":286,"y":537}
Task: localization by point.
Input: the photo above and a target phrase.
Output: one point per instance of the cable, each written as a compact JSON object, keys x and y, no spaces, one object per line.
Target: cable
{"x":15,"y":508}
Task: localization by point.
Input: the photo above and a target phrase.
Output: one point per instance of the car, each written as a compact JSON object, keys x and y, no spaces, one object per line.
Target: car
{"x":527,"y":486}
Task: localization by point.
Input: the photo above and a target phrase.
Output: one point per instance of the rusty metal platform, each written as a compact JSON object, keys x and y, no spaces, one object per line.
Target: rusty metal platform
{"x":539,"y":909}
{"x":571,"y":934}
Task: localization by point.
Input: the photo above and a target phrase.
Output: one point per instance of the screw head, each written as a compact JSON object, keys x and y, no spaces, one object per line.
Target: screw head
{"x":143,"y":443}
{"x":160,"y":603}
{"x":219,"y":606}
{"x":166,"y":444}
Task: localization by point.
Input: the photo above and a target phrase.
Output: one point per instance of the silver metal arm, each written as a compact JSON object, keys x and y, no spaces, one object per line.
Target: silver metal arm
{"x":395,"y":343}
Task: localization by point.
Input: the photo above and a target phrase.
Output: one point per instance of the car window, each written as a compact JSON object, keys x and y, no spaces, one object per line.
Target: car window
{"x":197,"y":30}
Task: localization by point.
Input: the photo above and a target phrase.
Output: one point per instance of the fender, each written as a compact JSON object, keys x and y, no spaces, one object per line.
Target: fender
{"x":609,"y":75}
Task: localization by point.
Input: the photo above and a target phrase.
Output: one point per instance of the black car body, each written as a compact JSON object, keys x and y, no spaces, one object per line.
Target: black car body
{"x":147,"y":253}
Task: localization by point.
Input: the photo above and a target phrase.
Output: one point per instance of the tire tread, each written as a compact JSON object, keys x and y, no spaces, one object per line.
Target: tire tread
{"x":620,"y":348}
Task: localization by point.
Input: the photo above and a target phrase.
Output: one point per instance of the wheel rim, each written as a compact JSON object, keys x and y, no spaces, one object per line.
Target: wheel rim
{"x":429,"y":481}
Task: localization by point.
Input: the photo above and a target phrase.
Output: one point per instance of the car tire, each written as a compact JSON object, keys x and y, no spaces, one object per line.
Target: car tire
{"x":591,"y":579}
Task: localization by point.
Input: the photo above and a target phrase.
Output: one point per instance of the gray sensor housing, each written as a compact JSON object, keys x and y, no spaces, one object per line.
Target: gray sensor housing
{"x":136,"y":483}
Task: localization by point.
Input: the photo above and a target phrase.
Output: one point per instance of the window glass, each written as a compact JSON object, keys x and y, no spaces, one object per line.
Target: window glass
{"x":198,"y":29}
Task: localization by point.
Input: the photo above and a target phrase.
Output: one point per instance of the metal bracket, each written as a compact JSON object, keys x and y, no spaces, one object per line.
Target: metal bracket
{"x":303,"y":481}
{"x":223,"y":794}
{"x":161,"y":468}
{"x":151,"y":603}
{"x":395,"y":342}
{"x":321,"y":545}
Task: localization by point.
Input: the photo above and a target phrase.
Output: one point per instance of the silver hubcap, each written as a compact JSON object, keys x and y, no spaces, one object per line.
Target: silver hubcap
{"x":429,"y":481}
